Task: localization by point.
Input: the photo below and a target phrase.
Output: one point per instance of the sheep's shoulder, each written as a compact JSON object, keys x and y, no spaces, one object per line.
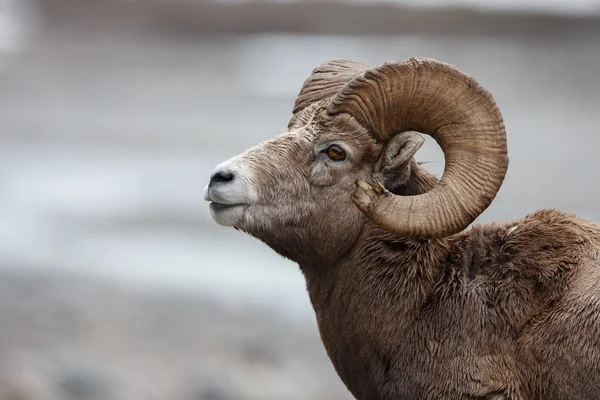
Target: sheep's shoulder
{"x":540,"y":246}
{"x":525,"y":267}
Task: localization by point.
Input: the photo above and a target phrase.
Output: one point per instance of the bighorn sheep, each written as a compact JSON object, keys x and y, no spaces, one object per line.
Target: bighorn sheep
{"x":410,"y":306}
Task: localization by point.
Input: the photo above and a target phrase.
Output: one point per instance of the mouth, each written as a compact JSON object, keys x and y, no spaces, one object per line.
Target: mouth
{"x":223,"y":212}
{"x":222,"y":207}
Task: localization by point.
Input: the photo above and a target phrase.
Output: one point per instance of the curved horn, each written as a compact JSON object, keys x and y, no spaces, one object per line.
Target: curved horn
{"x":435,"y":98}
{"x":324,"y":82}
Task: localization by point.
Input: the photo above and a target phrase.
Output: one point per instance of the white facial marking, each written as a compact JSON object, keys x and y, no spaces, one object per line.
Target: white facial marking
{"x":230,"y":198}
{"x":239,"y":190}
{"x":227,"y":215}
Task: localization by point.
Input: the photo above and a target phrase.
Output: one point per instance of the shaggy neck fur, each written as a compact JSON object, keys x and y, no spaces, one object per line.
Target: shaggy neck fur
{"x":369,"y":299}
{"x":379,"y":286}
{"x":460,"y":317}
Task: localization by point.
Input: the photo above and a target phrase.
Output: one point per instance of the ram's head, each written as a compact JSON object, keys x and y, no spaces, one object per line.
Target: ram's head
{"x":348,"y":159}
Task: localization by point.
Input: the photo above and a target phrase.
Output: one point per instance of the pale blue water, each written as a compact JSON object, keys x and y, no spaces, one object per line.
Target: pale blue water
{"x":106,"y":144}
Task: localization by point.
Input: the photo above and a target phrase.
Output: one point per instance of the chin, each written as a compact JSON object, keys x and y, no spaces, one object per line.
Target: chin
{"x":227,"y":215}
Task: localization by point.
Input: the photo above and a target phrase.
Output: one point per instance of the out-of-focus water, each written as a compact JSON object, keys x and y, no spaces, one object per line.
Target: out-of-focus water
{"x":107,"y":142}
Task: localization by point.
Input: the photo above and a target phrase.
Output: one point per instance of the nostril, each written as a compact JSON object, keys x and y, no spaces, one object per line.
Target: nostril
{"x":221,"y":176}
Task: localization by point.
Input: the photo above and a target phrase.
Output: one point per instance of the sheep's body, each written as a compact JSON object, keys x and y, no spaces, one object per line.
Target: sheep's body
{"x":498,"y":312}
{"x":408,"y":306}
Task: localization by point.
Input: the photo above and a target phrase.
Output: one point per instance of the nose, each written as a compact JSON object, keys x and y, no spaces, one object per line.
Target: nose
{"x":230,"y":184}
{"x":221,"y":176}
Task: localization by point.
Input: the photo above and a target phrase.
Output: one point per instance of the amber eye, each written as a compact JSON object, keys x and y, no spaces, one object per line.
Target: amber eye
{"x":336,"y":153}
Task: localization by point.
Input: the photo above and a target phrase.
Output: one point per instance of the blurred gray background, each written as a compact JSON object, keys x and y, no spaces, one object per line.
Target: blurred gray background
{"x":115,"y":283}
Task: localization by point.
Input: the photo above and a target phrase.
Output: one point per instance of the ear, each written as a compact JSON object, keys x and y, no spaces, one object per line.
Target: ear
{"x":394,"y":166}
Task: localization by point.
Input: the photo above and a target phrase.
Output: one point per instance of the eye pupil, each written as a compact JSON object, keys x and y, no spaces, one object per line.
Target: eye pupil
{"x":336,"y":153}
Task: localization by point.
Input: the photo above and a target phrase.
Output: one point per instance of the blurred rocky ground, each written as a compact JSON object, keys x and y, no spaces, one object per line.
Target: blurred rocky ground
{"x":66,"y":337}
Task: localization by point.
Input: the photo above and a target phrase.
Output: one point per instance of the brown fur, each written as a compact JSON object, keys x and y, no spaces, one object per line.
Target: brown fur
{"x":485,"y":313}
{"x":500,"y":311}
